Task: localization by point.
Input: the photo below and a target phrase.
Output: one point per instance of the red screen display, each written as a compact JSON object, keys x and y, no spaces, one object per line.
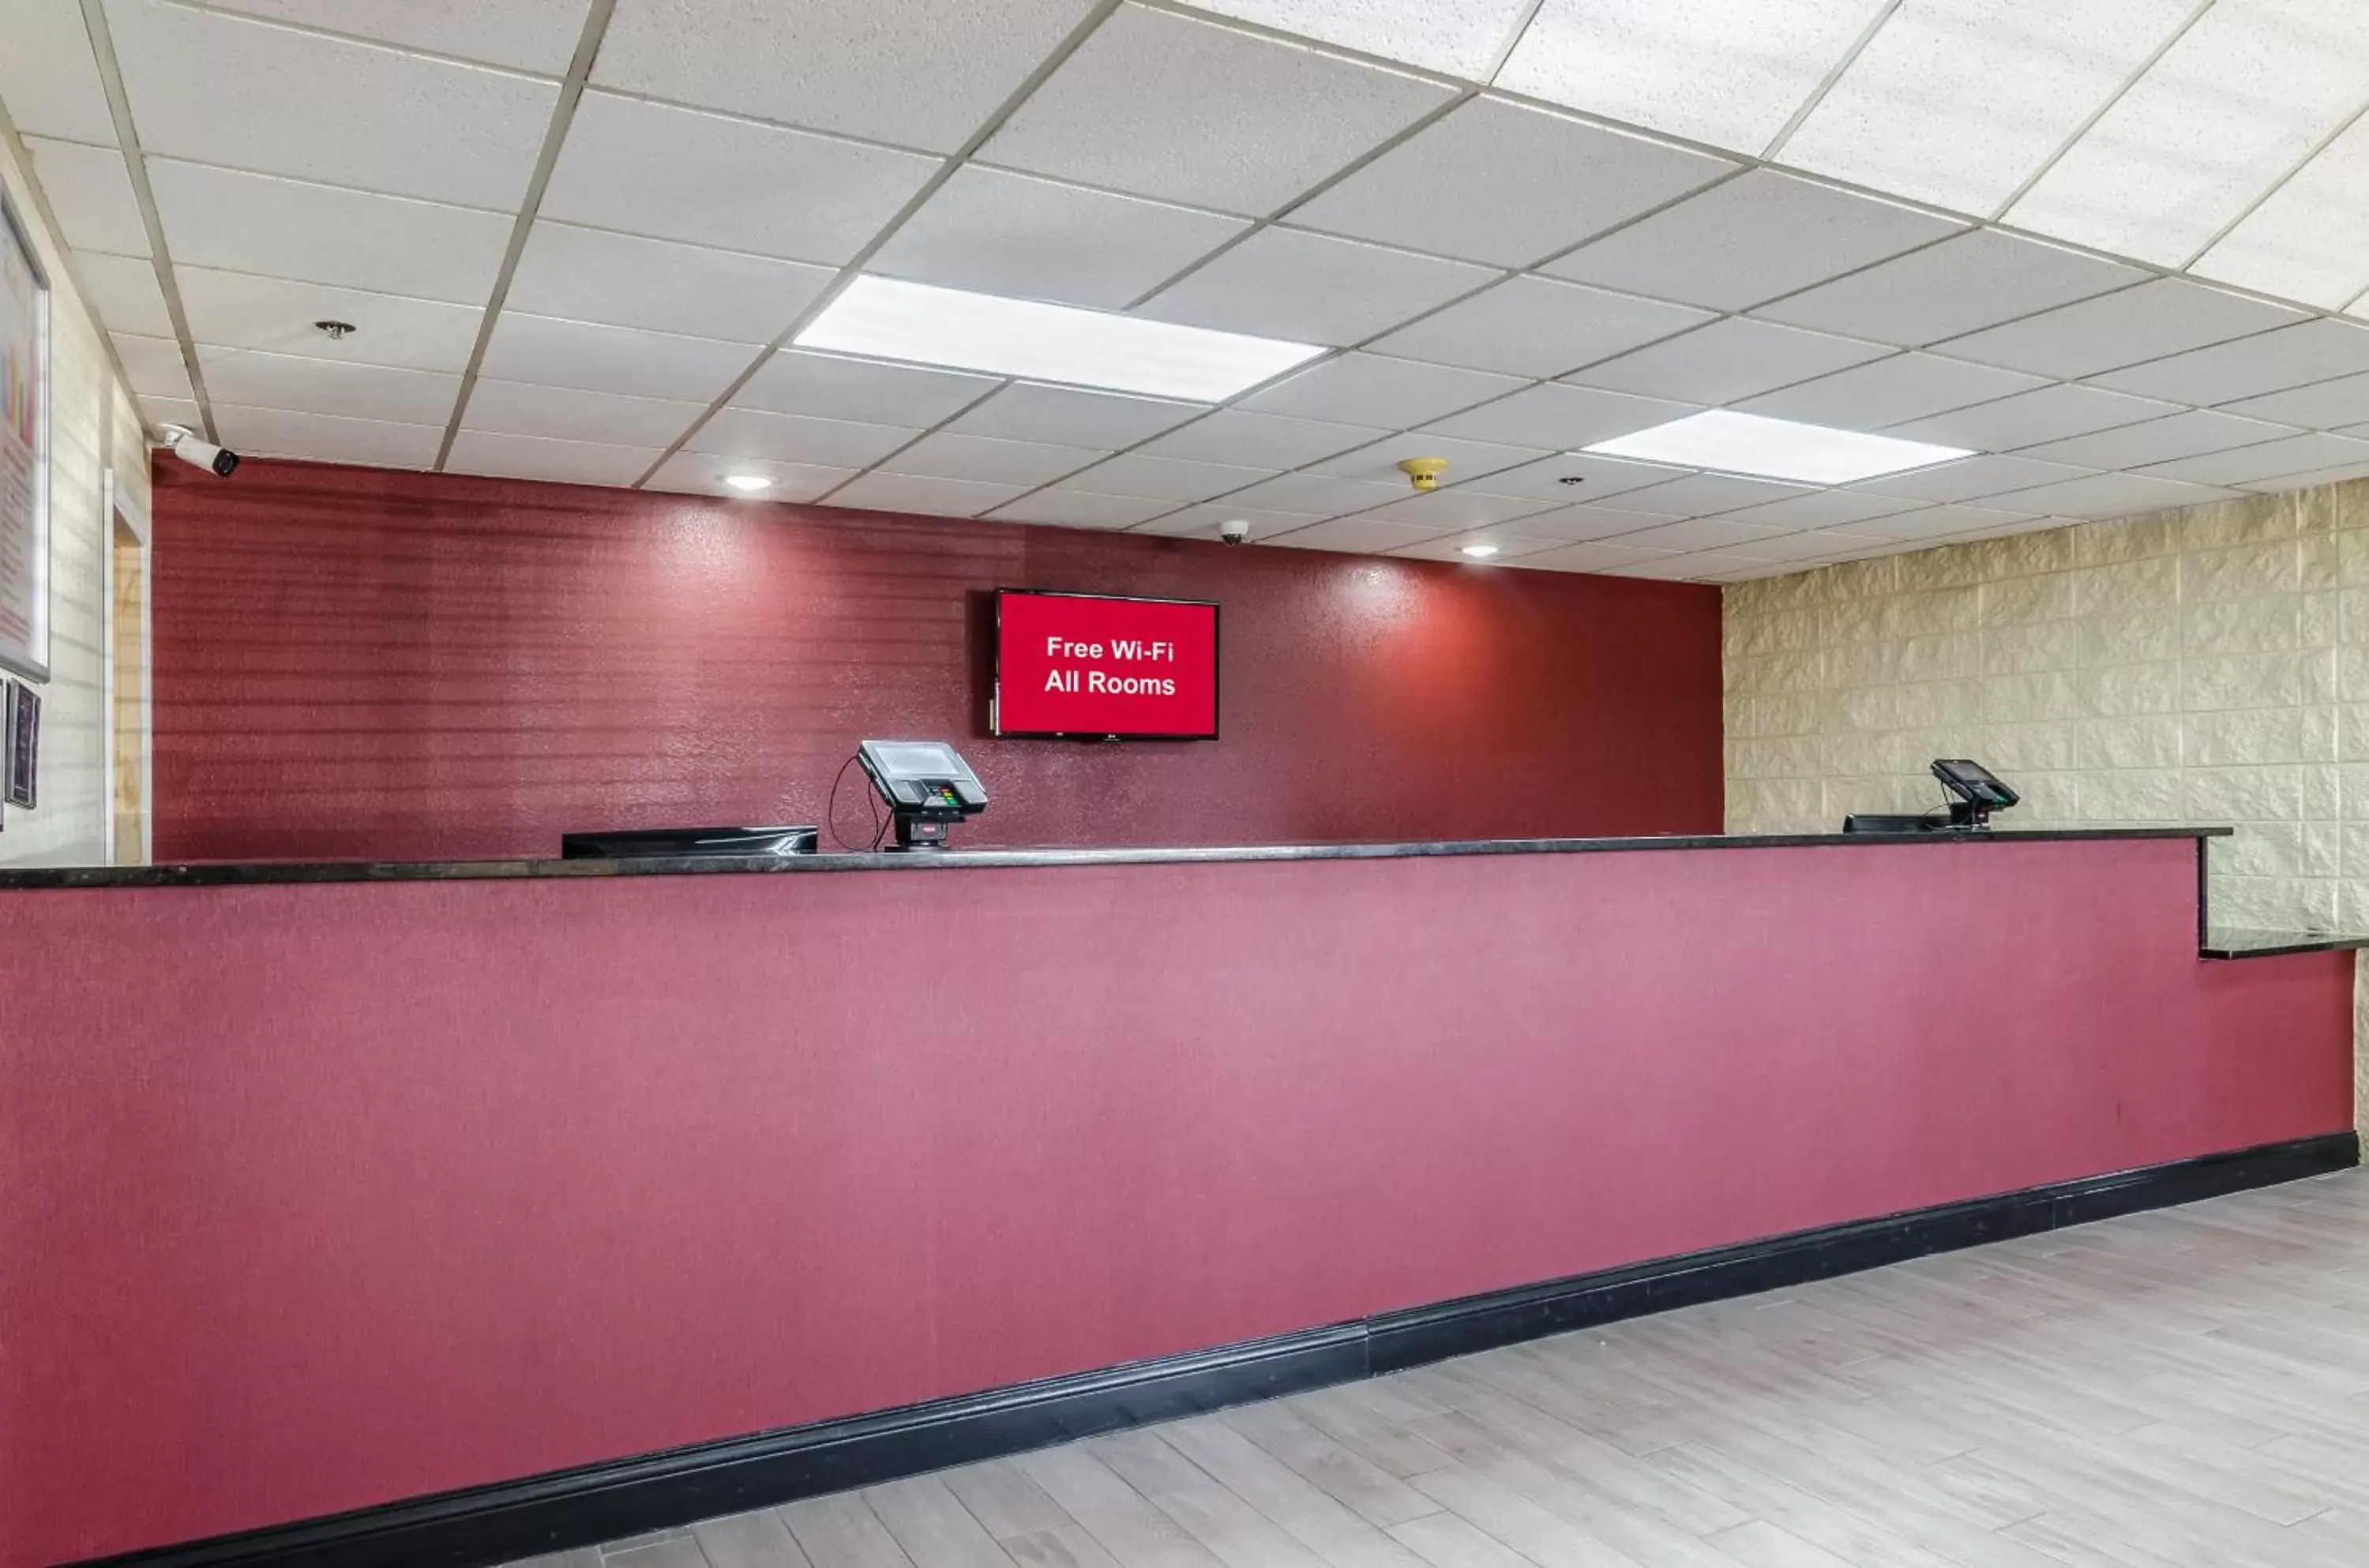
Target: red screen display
{"x":1079,"y":664}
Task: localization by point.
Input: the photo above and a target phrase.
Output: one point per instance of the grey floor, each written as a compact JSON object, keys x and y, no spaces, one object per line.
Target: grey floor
{"x":2185,"y":1387}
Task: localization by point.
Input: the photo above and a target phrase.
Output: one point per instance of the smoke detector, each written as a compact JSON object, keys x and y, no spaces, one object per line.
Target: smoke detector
{"x":1424,"y":471}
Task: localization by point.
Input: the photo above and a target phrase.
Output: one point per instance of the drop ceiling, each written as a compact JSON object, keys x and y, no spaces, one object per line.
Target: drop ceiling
{"x":2119,"y":250}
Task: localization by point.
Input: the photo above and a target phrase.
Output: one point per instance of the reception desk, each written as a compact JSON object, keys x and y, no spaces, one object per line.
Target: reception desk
{"x":324,"y":1188}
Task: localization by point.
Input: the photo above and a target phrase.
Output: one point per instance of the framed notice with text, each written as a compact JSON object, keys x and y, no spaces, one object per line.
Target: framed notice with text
{"x":22,"y":715}
{"x":24,"y":451}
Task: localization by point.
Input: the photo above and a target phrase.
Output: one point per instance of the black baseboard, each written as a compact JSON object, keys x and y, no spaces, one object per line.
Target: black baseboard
{"x":495,"y":1524}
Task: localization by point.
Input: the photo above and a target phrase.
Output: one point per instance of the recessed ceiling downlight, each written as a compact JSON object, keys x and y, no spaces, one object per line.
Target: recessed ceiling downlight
{"x":748,"y":483}
{"x":1478,"y":552}
{"x":1775,"y":449}
{"x":889,"y":319}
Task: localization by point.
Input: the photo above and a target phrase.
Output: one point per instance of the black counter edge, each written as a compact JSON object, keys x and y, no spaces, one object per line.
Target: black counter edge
{"x":202,"y":874}
{"x":495,"y":1523}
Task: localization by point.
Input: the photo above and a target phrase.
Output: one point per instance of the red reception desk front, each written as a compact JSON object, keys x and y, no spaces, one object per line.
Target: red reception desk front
{"x":325,"y":1188}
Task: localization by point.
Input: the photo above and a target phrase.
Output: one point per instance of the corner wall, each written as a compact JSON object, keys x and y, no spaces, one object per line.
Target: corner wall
{"x":93,"y":424}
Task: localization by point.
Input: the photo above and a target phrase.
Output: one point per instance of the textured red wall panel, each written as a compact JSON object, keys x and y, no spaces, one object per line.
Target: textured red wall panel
{"x":354,"y":663}
{"x":318,"y":1196}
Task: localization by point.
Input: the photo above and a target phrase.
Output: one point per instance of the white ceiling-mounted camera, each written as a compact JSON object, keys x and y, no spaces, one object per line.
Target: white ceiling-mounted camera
{"x":1234,"y":530}
{"x":186,"y":445}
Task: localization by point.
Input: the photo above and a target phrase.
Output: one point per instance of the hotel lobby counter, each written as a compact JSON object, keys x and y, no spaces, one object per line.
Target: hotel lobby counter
{"x":343,"y":1185}
{"x":218,"y":873}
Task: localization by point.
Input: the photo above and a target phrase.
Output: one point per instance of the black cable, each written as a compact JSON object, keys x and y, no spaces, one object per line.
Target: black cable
{"x":830,"y":809}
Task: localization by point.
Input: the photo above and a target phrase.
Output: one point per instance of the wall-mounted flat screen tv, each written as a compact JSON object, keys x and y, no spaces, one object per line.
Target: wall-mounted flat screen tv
{"x":1102,"y":666}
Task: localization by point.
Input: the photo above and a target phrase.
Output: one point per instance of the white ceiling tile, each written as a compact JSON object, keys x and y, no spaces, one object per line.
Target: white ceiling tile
{"x":1505,"y":546}
{"x":173,"y":411}
{"x":49,"y":77}
{"x":625,"y":280}
{"x":1821,"y":509}
{"x":1355,"y":535}
{"x":529,"y":35}
{"x":1727,"y":72}
{"x":237,"y":310}
{"x":1506,"y":185}
{"x":1731,"y":359}
{"x":2267,"y":460}
{"x":920,"y":492}
{"x":1458,"y":36}
{"x":1015,"y":234}
{"x":1536,"y":327}
{"x":702,"y":473}
{"x":1702,"y":495}
{"x":797,"y":438}
{"x":326,"y":438}
{"x":1708,"y":566}
{"x":798,"y":381}
{"x":2109,"y":495}
{"x":1202,"y":522}
{"x":286,"y":228}
{"x":304,"y":386}
{"x":2166,"y":316}
{"x":2309,"y":240}
{"x":1938,"y":522}
{"x":1317,"y":495}
{"x":678,"y":173}
{"x":122,"y":290}
{"x":1187,"y":110}
{"x":1558,"y":418}
{"x":1305,"y":288}
{"x":1260,"y":440}
{"x":90,"y":192}
{"x":1750,"y":240}
{"x":2324,"y":405}
{"x":2250,"y":367}
{"x":1372,"y":389}
{"x":2050,"y":414}
{"x":550,"y":352}
{"x":1961,"y":286}
{"x":1591,"y":557}
{"x":1378,"y":464}
{"x":1598,"y":478}
{"x":1166,"y":478}
{"x":2310,"y":479}
{"x":1574,"y":525}
{"x":313,"y":106}
{"x":558,"y":461}
{"x":1969,"y":480}
{"x":1080,"y":509}
{"x":1906,"y":386}
{"x":920,"y":73}
{"x":515,"y":408}
{"x":1957,"y":102}
{"x":2231,"y":107}
{"x":1699,"y":533}
{"x":2190,"y":433}
{"x":1457,"y":509}
{"x":991,"y":458}
{"x":1809,"y":546}
{"x":1070,"y":416}
{"x":154,"y":365}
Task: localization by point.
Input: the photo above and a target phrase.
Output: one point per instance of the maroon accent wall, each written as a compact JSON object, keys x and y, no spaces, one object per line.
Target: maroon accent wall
{"x":314,"y":1197}
{"x":354,"y":663}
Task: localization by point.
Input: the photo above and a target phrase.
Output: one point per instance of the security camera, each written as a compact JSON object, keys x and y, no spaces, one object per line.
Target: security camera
{"x":184,"y":445}
{"x":1234,"y":530}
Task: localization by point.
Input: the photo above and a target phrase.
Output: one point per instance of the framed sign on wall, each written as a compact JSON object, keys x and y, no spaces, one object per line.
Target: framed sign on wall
{"x":24,"y":451}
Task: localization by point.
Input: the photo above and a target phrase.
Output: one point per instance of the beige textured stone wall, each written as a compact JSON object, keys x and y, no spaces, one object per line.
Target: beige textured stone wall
{"x":2210,"y":665}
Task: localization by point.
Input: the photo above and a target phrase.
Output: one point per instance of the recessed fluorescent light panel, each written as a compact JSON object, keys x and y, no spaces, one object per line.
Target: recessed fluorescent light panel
{"x":1775,"y":449}
{"x":891,"y":320}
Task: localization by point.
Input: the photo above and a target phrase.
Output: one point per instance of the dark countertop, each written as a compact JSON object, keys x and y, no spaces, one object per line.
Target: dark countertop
{"x":246,"y":873}
{"x":2236,"y":943}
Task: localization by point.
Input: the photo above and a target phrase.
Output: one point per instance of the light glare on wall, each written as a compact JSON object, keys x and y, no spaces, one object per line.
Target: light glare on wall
{"x":888,"y":319}
{"x":1775,"y":449}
